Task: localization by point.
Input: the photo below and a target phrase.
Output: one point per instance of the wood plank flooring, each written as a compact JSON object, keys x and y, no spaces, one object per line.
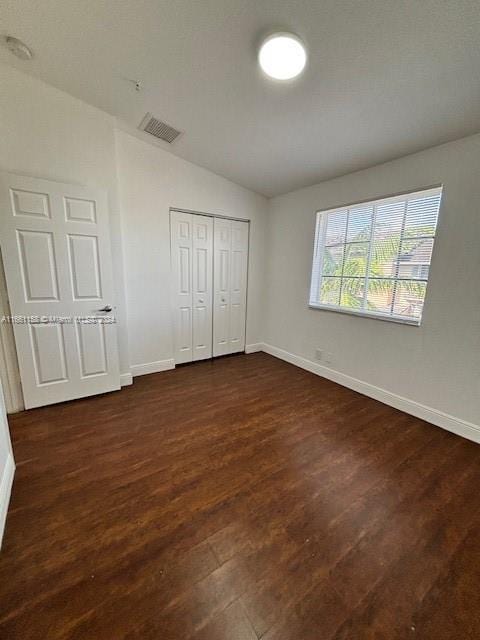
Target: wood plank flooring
{"x":234,"y":500}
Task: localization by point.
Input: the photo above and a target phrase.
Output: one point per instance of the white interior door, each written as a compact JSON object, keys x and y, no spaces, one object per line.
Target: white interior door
{"x":56,"y":250}
{"x":192,"y":260}
{"x":230,"y":285}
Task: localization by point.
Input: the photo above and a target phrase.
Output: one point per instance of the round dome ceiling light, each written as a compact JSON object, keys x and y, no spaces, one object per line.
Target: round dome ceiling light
{"x":282,"y":56}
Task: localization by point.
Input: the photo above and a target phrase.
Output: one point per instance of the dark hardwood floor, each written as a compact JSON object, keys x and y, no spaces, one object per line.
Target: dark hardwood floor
{"x":239,"y":499}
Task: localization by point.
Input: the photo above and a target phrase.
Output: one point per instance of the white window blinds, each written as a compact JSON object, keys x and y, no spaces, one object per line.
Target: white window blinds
{"x":373,"y":258}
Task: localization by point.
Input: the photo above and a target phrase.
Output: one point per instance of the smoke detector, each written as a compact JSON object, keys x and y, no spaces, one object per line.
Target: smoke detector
{"x":18,"y":48}
{"x":161,"y":130}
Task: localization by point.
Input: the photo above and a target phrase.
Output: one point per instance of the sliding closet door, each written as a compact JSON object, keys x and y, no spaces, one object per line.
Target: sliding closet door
{"x":192,"y":259}
{"x":230,"y":286}
{"x":202,"y":278}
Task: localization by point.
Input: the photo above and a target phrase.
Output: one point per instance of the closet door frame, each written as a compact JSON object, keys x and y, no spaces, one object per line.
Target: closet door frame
{"x":174,"y":306}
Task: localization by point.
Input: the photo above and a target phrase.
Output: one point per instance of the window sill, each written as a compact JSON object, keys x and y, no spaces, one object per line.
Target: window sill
{"x":367,"y":314}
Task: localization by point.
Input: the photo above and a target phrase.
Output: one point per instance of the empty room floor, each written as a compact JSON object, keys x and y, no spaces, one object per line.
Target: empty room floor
{"x":239,"y":499}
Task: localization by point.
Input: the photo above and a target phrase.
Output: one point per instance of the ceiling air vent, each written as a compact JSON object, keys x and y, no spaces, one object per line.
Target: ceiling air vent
{"x":159,"y":129}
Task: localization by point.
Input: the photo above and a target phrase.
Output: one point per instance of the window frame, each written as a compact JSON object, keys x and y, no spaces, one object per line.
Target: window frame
{"x":321,"y":217}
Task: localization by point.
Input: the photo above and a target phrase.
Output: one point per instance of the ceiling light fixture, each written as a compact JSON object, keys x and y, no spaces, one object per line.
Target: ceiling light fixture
{"x":282,"y":56}
{"x":18,"y":48}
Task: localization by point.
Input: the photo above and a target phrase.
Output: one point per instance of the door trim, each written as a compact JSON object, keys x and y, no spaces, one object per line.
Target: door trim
{"x":210,"y":215}
{"x":9,"y":372}
{"x":6,"y":482}
{"x":172,"y":305}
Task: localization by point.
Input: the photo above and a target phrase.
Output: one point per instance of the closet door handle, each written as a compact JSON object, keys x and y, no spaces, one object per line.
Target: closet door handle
{"x":200,"y":301}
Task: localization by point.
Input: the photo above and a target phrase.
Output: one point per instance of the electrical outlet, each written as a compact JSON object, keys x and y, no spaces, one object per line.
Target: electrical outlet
{"x":318,"y":354}
{"x":328,"y":357}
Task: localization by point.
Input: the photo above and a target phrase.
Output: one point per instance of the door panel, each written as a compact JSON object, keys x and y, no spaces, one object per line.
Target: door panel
{"x":224,"y":271}
{"x":48,"y":342}
{"x":184,"y":271}
{"x":56,"y":250}
{"x":200,"y":273}
{"x":237,"y":322}
{"x":84,"y":267}
{"x":202,"y":333}
{"x":221,"y":328}
{"x":38,"y":265}
{"x":30,"y":203}
{"x":80,"y":210}
{"x":237,"y":265}
{"x":185,"y":332}
{"x":92,"y":348}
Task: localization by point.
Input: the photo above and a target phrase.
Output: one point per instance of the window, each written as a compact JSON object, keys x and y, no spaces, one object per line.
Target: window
{"x":373,"y":258}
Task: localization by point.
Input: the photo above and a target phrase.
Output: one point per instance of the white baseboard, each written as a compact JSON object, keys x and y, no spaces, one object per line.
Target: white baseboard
{"x":429,"y":414}
{"x":254,"y":348}
{"x":6,"y":483}
{"x":152,"y":367}
{"x":126,"y":379}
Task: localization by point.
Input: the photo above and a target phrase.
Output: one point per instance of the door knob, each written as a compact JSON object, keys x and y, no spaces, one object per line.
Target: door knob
{"x":200,"y":301}
{"x":223,"y":300}
{"x":107,"y":308}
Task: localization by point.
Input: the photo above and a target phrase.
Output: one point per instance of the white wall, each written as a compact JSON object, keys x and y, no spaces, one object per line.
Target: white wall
{"x":436,"y":364}
{"x":151,"y":181}
{"x":7,"y":466}
{"x":46,"y":133}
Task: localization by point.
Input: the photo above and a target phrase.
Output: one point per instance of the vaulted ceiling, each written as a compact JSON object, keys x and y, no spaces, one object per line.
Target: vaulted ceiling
{"x":385,"y":77}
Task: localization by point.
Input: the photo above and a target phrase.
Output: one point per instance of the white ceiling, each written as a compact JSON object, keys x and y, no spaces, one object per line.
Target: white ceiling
{"x":385,"y":77}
